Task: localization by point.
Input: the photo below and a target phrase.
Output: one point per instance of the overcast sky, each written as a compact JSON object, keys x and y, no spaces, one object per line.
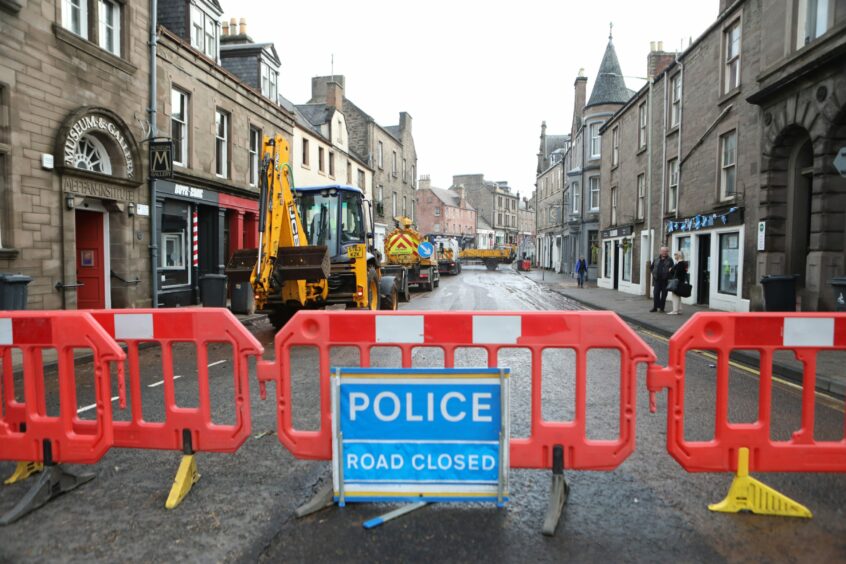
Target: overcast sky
{"x":478,"y":79}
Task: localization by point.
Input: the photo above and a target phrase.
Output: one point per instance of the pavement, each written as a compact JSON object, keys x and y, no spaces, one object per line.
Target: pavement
{"x":831,"y":374}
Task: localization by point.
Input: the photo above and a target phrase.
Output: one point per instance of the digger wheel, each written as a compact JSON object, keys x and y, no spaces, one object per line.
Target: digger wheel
{"x":372,"y":289}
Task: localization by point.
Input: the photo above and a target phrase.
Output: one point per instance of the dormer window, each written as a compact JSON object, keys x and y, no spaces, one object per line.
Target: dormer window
{"x":269,"y":78}
{"x":204,"y":32}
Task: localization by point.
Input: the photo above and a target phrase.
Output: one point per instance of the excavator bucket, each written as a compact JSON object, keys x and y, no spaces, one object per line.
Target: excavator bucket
{"x":240,"y":266}
{"x":302,"y":263}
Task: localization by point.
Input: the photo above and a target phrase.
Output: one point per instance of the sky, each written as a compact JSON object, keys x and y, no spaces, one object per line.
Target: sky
{"x":478,"y":78}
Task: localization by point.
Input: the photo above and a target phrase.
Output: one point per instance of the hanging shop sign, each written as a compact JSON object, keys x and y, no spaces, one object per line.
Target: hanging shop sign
{"x":161,"y":159}
{"x":732,"y":216}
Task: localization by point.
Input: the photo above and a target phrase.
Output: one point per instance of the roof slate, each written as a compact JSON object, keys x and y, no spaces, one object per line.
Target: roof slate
{"x":610,"y":86}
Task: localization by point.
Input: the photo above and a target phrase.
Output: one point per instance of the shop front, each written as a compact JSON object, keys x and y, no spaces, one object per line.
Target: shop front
{"x":105,"y":224}
{"x":713,"y":246}
{"x":620,"y":256}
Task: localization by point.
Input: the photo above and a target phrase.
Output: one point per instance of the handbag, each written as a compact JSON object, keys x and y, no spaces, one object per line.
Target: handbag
{"x":673,"y":285}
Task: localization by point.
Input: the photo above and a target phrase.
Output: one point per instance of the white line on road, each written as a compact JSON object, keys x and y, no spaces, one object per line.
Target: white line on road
{"x":92,"y":406}
{"x":216,"y":363}
{"x":160,"y":382}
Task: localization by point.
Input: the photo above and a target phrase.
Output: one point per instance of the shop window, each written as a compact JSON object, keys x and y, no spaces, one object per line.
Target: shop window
{"x":221,"y":143}
{"x":179,"y":126}
{"x":173,"y":244}
{"x":173,"y":255}
{"x":255,"y":143}
{"x":609,"y":256}
{"x":683,"y":246}
{"x":729,"y":263}
{"x":627,"y":259}
{"x":593,"y":245}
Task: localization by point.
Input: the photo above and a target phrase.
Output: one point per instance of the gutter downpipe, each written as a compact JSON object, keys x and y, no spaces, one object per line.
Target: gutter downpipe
{"x":663,"y":162}
{"x":679,"y":142}
{"x":648,"y":210}
{"x":152,"y":110}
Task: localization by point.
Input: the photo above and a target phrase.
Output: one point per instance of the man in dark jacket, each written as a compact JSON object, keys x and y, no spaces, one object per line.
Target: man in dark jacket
{"x":660,"y":267}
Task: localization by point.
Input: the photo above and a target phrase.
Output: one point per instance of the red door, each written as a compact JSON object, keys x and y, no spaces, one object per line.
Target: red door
{"x":89,"y":260}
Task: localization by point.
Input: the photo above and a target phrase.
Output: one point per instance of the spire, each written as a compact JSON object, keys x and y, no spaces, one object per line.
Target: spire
{"x":610,"y":86}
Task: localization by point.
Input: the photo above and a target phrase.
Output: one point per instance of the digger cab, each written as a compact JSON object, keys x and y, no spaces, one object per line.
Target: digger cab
{"x":332,"y":216}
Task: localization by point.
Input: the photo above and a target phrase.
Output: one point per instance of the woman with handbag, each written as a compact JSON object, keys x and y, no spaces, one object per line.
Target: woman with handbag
{"x":678,"y":279}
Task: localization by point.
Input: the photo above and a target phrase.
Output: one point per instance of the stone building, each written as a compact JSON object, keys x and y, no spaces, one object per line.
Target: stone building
{"x":580,"y":235}
{"x":551,"y":198}
{"x":73,"y":199}
{"x":800,"y":91}
{"x":701,"y":183}
{"x":445,"y":212}
{"x":526,"y":218}
{"x":388,"y":150}
{"x":217,"y":115}
{"x":494,"y":202}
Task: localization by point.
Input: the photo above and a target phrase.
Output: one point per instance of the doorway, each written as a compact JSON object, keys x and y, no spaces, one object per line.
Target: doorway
{"x":703,"y":280}
{"x":800,"y":174}
{"x":92,"y":260}
{"x":616,"y":266}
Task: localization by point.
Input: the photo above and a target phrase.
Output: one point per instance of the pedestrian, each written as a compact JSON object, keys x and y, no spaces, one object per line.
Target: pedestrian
{"x":660,"y":268}
{"x":581,"y":271}
{"x":678,"y":272}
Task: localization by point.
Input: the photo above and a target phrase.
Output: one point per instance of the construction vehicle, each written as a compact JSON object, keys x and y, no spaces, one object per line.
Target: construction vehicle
{"x":411,"y":259}
{"x":491,"y":258}
{"x":448,"y":251}
{"x":313,"y":249}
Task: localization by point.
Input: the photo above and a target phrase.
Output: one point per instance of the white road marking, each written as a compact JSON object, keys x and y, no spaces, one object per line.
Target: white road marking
{"x":160,"y":382}
{"x":92,"y":406}
{"x":216,"y":363}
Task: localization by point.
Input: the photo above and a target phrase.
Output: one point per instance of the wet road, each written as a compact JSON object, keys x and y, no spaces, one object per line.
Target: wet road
{"x":242,"y":508}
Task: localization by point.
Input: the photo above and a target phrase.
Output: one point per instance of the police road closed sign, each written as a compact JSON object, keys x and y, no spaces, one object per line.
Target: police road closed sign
{"x":420,"y":434}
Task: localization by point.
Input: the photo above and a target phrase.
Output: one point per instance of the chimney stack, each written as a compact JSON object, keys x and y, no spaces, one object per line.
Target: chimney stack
{"x":242,"y":27}
{"x":658,"y":59}
{"x":580,"y":99}
{"x":225,"y":28}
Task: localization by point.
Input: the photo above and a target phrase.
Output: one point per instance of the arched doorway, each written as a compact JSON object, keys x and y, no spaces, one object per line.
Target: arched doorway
{"x":799,"y":194}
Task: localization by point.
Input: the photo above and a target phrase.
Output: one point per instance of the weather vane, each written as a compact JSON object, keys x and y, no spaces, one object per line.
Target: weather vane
{"x":610,"y":31}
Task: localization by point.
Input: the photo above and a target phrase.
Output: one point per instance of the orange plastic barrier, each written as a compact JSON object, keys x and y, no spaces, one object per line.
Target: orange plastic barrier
{"x":492,"y":331}
{"x":27,"y":431}
{"x":168,"y":327}
{"x":806,"y":334}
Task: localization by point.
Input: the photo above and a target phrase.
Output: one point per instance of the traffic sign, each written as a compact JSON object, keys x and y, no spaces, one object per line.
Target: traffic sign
{"x":840,"y":161}
{"x":425,"y":249}
{"x":420,"y":434}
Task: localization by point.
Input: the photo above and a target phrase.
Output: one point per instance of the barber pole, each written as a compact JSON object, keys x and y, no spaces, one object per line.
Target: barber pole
{"x":195,"y":240}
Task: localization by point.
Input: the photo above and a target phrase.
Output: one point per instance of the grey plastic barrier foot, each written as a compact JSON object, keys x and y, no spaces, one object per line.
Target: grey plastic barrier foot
{"x":558,"y":493}
{"x":51,"y":483}
{"x":325,"y":497}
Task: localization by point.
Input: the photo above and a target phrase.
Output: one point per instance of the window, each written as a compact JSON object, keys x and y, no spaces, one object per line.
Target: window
{"x":577,"y":199}
{"x":437,"y":228}
{"x":405,"y":206}
{"x":361,"y":180}
{"x":594,"y":141}
{"x":179,"y":126}
{"x":173,"y":257}
{"x":204,"y":32}
{"x":593,"y":184}
{"x":380,"y":155}
{"x":404,"y":176}
{"x":615,"y":146}
{"x":221,"y":145}
{"x":593,"y":246}
{"x":728,"y":164}
{"x":641,"y":120}
{"x":331,"y":164}
{"x":731,"y":80}
{"x":349,"y":172}
{"x":812,"y":20}
{"x":305,"y":153}
{"x":641,"y":195}
{"x":109,"y":37}
{"x":437,"y":212}
{"x":339,"y":135}
{"x":255,"y":143}
{"x":672,"y":194}
{"x":75,"y":16}
{"x":675,"y":110}
{"x":614,"y":205}
{"x":414,"y":176}
{"x":92,"y":155}
{"x":380,"y":193}
{"x":729,"y":262}
{"x":394,"y":164}
{"x":321,"y":166}
{"x":394,"y":204}
{"x":628,"y":249}
{"x":608,"y":259}
{"x":269,"y":80}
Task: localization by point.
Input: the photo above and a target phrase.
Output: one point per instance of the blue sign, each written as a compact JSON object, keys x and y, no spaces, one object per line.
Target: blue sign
{"x":420,"y":434}
{"x":425,"y":249}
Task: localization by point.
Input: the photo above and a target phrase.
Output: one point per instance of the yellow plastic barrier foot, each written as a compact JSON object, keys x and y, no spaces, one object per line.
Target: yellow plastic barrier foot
{"x":23,"y":471}
{"x":186,"y":477}
{"x":748,"y":494}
